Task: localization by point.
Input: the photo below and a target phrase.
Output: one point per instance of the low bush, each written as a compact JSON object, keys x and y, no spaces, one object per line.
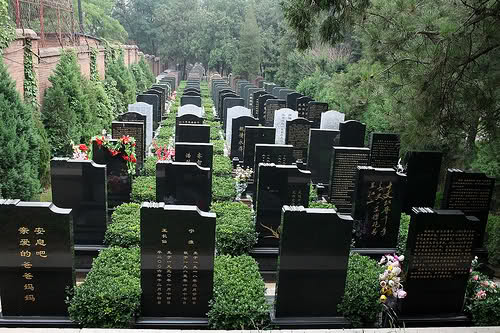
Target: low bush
{"x":313,"y":195}
{"x":404,"y":226}
{"x":321,"y":204}
{"x":360,"y":304}
{"x":149,"y":168}
{"x":124,"y":229}
{"x":235,"y":233}
{"x":110,"y":296}
{"x":482,"y":302}
{"x":493,"y":240}
{"x":222,"y":166}
{"x":143,"y":189}
{"x":223,"y":188}
{"x":239,"y":300}
{"x":214,"y":133}
{"x":218,"y":147}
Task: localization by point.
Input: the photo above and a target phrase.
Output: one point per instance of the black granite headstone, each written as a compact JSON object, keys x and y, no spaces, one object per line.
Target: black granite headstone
{"x":384,"y":150}
{"x":254,"y":135}
{"x":199,"y":153}
{"x":250,"y":100}
{"x":182,"y":183}
{"x":188,"y":119}
{"x":192,"y":133}
{"x":153,"y":100}
{"x":270,"y":107}
{"x":314,"y":110}
{"x":228,"y":103}
{"x":161,"y":97}
{"x":291,"y":100}
{"x":191,"y":93}
{"x":195,"y":100}
{"x":177,"y":261}
{"x":303,"y":106}
{"x":223,"y":94}
{"x":256,"y":102}
{"x":283,"y":93}
{"x":135,"y":130}
{"x":344,"y":166}
{"x":319,"y":155}
{"x":352,"y":134}
{"x":271,"y":153}
{"x":238,"y":135}
{"x":297,"y":135}
{"x":261,"y":111}
{"x":132,"y":116}
{"x":36,"y":247}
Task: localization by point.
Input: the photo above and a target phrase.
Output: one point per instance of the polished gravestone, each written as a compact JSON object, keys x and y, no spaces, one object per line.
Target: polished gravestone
{"x":283,"y":93}
{"x":343,"y":170}
{"x":183,"y":183}
{"x":250,"y":100}
{"x":291,"y":100}
{"x":161,"y":97}
{"x":315,"y":110}
{"x":320,"y":151}
{"x":199,"y":153}
{"x":228,"y":103}
{"x":177,"y":266}
{"x":331,"y":120}
{"x":352,"y":134}
{"x":422,"y":178}
{"x":439,"y":249}
{"x":471,"y":193}
{"x":238,"y":135}
{"x":191,"y":92}
{"x":384,"y":150}
{"x":280,"y":120}
{"x":272,"y":153}
{"x":297,"y":135}
{"x":226,"y":93}
{"x":376,"y":210}
{"x":276,"y":91}
{"x":36,"y":247}
{"x":190,"y":109}
{"x":187,"y":119}
{"x":256,"y":102}
{"x":153,"y":100}
{"x":135,"y":130}
{"x":235,"y":111}
{"x":269,"y":88}
{"x":192,"y":133}
{"x":146,"y":110}
{"x":303,"y":106}
{"x":271,"y":106}
{"x":253,"y":136}
{"x":195,"y":100}
{"x":81,"y":186}
{"x":315,"y":256}
{"x":261,"y":111}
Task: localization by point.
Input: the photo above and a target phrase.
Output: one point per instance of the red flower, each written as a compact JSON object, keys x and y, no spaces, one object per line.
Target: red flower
{"x":83,"y":147}
{"x":99,"y":141}
{"x":126,"y":158}
{"x":125,"y":139}
{"x":134,"y":144}
{"x":133,"y":159}
{"x":114,"y":152}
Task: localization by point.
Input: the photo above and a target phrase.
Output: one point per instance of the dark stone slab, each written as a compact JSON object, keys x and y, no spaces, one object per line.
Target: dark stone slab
{"x":384,"y":150}
{"x":244,"y":91}
{"x":256,"y":102}
{"x":269,"y":87}
{"x":160,"y":92}
{"x":153,"y":100}
{"x":270,"y":107}
{"x":36,"y":247}
{"x":439,"y":248}
{"x":199,"y":153}
{"x":422,"y":178}
{"x":344,"y":166}
{"x":224,"y":94}
{"x":131,"y":116}
{"x":277,"y":186}
{"x":192,"y":89}
{"x":303,"y":106}
{"x":192,"y":93}
{"x":254,"y":135}
{"x":271,"y":153}
{"x":81,"y":187}
{"x":195,"y":100}
{"x":314,"y":110}
{"x":352,"y":134}
{"x":297,"y":135}
{"x":187,"y":119}
{"x":471,"y":193}
{"x":315,"y":256}
{"x":192,"y":133}
{"x":276,"y":91}
{"x":177,"y":261}
{"x":228,"y":103}
{"x":135,"y":130}
{"x":376,"y":208}
{"x":320,"y":151}
{"x":283,"y":94}
{"x":291,"y":100}
{"x":181,"y":183}
{"x":238,"y":135}
{"x":261,"y":114}
{"x":250,"y":100}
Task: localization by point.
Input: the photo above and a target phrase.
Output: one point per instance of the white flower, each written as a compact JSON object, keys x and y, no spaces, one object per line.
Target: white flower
{"x":383,"y":284}
{"x":396,"y":270}
{"x":391,"y":283}
{"x":382,"y":261}
{"x":401,"y":258}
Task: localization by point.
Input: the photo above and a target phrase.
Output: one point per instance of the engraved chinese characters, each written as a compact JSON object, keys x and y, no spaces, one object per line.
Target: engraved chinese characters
{"x":36,"y":248}
{"x":277,"y":154}
{"x":134,"y":130}
{"x":384,"y":150}
{"x":177,"y":260}
{"x":238,"y":135}
{"x":440,"y":253}
{"x":280,"y":118}
{"x":199,"y":153}
{"x":297,"y":135}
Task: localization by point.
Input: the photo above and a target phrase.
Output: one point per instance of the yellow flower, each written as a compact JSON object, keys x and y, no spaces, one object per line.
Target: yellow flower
{"x":389,"y":268}
{"x":383,"y":298}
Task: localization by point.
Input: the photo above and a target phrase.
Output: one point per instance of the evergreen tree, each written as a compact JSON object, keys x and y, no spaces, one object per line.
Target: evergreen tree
{"x":248,"y":60}
{"x":19,"y":143}
{"x":100,"y":105}
{"x":125,"y":82}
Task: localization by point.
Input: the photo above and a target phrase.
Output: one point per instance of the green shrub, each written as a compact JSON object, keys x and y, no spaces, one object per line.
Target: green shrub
{"x":214,"y":133}
{"x":235,"y":233}
{"x":143,"y":189}
{"x":404,"y":226}
{"x":44,"y":146}
{"x":482,"y":302}
{"x":19,"y":162}
{"x":239,"y":295}
{"x":320,"y":204}
{"x":166,"y":132}
{"x":493,"y":239}
{"x":146,"y":70}
{"x":125,"y":82}
{"x":218,"y":147}
{"x":222,"y":166}
{"x":223,"y":188}
{"x":313,"y":195}
{"x":100,"y":106}
{"x":360,"y":304}
{"x":124,"y":229}
{"x":110,"y":296}
{"x":149,"y":168}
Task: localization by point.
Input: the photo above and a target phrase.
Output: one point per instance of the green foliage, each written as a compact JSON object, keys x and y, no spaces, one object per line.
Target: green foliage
{"x":223,"y":188}
{"x":100,"y":105}
{"x":248,"y":60}
{"x":147,"y":72}
{"x":19,"y":139}
{"x":149,"y":168}
{"x":30,"y":84}
{"x":214,"y":132}
{"x":142,"y":81}
{"x":7,"y":32}
{"x":110,"y":296}
{"x":360,"y":304}
{"x":94,"y":73}
{"x":493,"y":240}
{"x":125,"y":82}
{"x":404,"y":226}
{"x":239,"y":295}
{"x":235,"y":233}
{"x":313,"y":195}
{"x":218,"y":147}
{"x":44,"y":146}
{"x":320,"y":204}
{"x":487,"y":160}
{"x":124,"y":229}
{"x":143,"y":189}
{"x":99,"y":22}
{"x":222,"y":166}
{"x":115,"y":96}
{"x":482,"y":301}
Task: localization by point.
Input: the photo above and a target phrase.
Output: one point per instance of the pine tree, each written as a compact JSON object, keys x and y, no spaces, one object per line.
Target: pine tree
{"x":125,"y":82}
{"x":18,"y":142}
{"x":248,"y":60}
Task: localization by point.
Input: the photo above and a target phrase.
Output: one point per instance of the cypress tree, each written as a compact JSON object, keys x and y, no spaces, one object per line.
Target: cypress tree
{"x":248,"y":60}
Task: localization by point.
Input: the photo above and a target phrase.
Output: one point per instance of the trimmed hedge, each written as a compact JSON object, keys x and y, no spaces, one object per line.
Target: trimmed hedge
{"x":234,"y":233}
{"x":124,"y":229}
{"x":239,"y":300}
{"x":218,"y":147}
{"x":143,"y":189}
{"x":223,"y":188}
{"x":313,"y":195}
{"x":110,"y":296}
{"x":222,"y":166}
{"x":149,"y":168}
{"x":320,"y":204}
{"x":404,"y":226}
{"x":493,"y":239}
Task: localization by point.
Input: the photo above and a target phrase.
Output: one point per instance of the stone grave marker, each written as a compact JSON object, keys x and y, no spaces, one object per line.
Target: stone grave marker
{"x":219,"y":97}
{"x":153,"y":100}
{"x":303,"y":106}
{"x":228,"y":103}
{"x":256,"y":102}
{"x":146,"y":110}
{"x":199,"y":153}
{"x":160,"y":92}
{"x":271,"y":106}
{"x":320,"y":151}
{"x":315,"y":110}
{"x":291,"y":100}
{"x":272,"y":153}
{"x":276,"y":90}
{"x":225,"y":94}
{"x":284,"y":93}
{"x":238,"y":135}
{"x":270,"y":88}
{"x":135,"y":117}
{"x":343,"y":170}
{"x":234,"y":112}
{"x":331,"y":120}
{"x":134,"y":130}
{"x":183,"y":183}
{"x":36,"y":247}
{"x":190,"y":109}
{"x":195,"y":100}
{"x":193,"y":133}
{"x":280,"y":119}
{"x":250,"y":100}
{"x":253,"y":136}
{"x":177,"y":261}
{"x":352,"y":134}
{"x":191,"y":92}
{"x":261,"y":111}
{"x":297,"y":135}
{"x":384,"y":149}
{"x":187,"y":119}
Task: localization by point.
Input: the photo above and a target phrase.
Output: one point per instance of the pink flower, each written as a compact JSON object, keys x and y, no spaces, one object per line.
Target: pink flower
{"x":481,"y":294}
{"x":401,"y":293}
{"x":476,"y":277}
{"x":485,"y":284}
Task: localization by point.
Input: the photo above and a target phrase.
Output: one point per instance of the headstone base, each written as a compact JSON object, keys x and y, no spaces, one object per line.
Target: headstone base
{"x":171,"y":323}
{"x":309,"y":322}
{"x":267,"y":258}
{"x":36,"y":322}
{"x":374,"y":253}
{"x":85,"y":255}
{"x":434,"y":321}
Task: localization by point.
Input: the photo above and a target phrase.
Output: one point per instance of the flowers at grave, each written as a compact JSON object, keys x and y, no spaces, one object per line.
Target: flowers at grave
{"x":241,"y":176}
{"x":80,"y":152}
{"x":482,"y":301}
{"x":163,"y":153}
{"x":390,"y":280}
{"x":125,"y":147}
